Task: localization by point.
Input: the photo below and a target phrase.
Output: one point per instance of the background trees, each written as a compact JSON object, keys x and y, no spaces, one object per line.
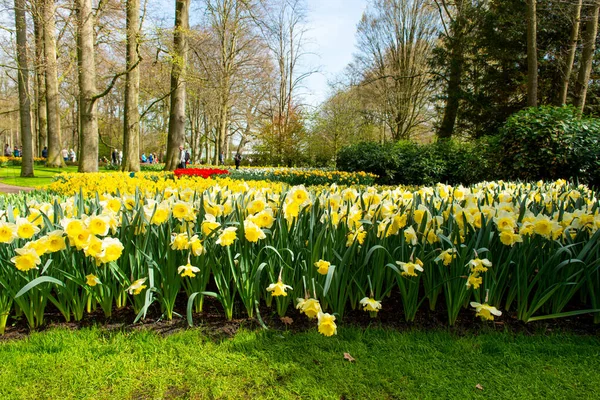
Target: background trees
{"x":109,"y":74}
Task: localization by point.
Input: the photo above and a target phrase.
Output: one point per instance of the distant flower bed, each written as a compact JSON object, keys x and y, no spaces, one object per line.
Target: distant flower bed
{"x":200,"y":172}
{"x":303,"y":176}
{"x":5,"y":161}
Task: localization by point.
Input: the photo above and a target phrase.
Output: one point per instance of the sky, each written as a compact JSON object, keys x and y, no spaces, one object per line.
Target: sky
{"x":332,"y":36}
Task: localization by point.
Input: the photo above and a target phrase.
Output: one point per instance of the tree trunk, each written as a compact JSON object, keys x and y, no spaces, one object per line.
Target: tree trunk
{"x":23,"y":79}
{"x":42,"y":121}
{"x":568,"y":67}
{"x":131,"y":129}
{"x":88,"y":119}
{"x":454,"y":83}
{"x":532,"y":65}
{"x":52,"y":97}
{"x":587,"y":57}
{"x":176,"y":136}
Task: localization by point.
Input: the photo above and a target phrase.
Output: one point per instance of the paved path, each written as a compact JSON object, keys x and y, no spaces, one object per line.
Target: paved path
{"x":9,"y":189}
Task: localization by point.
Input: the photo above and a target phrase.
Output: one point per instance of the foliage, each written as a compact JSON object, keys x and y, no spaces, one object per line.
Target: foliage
{"x":411,"y":163}
{"x":532,"y":250}
{"x":550,"y":143}
{"x":372,"y":157}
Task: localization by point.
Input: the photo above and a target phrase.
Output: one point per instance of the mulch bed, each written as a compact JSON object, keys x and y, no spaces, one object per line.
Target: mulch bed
{"x":212,"y":321}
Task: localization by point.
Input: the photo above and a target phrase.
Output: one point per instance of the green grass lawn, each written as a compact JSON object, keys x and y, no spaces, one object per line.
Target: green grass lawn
{"x":98,"y":364}
{"x":10,"y":175}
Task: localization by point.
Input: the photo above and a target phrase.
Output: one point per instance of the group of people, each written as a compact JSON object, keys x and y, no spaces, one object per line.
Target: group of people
{"x":16,"y":152}
{"x":184,"y":157}
{"x":150,"y":159}
{"x":69,"y":155}
{"x":117,"y":156}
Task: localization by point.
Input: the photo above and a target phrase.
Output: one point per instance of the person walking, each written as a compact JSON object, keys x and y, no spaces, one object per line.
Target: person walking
{"x":222,"y":158}
{"x":7,"y":150}
{"x":120,"y":160}
{"x":238,"y":160}
{"x":45,"y":152}
{"x":72,"y":155}
{"x":65,"y":154}
{"x":181,"y":157}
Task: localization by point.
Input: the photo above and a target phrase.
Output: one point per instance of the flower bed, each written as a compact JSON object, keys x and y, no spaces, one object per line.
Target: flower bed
{"x":199,"y":172}
{"x":495,"y":249}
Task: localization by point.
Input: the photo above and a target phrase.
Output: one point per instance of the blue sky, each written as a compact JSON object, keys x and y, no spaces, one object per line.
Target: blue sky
{"x":332,"y":28}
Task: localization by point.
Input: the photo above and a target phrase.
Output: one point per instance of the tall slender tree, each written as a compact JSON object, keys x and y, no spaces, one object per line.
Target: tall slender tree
{"x":40,"y":81}
{"x":131,"y":126}
{"x":23,"y":80}
{"x":587,"y":55}
{"x":52,"y":97}
{"x":532,"y":61}
{"x":176,"y":135}
{"x":570,"y":57}
{"x":88,"y":119}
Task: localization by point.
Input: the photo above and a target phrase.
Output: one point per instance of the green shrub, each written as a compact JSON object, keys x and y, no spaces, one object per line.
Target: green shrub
{"x":549,"y":143}
{"x":373,"y":157}
{"x":410,"y":163}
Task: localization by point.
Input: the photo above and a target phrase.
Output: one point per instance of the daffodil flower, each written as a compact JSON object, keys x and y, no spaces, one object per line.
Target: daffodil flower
{"x":137,"y":286}
{"x":278,"y":288}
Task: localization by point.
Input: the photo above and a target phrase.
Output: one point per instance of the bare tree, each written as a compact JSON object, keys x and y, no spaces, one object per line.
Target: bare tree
{"x":40,"y":79}
{"x":52,"y":95}
{"x":131,"y":128}
{"x":176,"y":136}
{"x":24,"y":99}
{"x":395,"y":40}
{"x":587,"y":55}
{"x":570,"y":58}
{"x":88,"y":119}
{"x":285,"y":34}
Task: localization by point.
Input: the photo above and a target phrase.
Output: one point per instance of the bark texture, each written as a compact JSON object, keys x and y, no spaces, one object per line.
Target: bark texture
{"x":532,"y":64}
{"x":176,"y":135}
{"x":40,"y":81}
{"x":52,"y":100}
{"x":587,"y":56}
{"x":23,"y":80}
{"x":88,"y":119}
{"x":131,"y":128}
{"x":568,"y":67}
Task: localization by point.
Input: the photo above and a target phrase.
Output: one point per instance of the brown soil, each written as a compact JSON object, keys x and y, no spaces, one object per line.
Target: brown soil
{"x":212,"y":321}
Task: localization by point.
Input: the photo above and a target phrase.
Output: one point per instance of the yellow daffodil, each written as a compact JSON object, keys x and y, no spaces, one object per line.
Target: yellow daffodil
{"x":252,"y":232}
{"x":25,"y":229}
{"x":278,"y":289}
{"x":112,"y":248}
{"x":8,"y":232}
{"x":370,"y":304}
{"x":26,"y":259}
{"x":485,"y":311}
{"x":188,"y":270}
{"x":322,"y":267}
{"x":180,"y":241}
{"x":92,"y":280}
{"x":228,"y":236}
{"x":326,"y":324}
{"x":137,"y":287}
{"x":479,"y":265}
{"x":410,"y":268}
{"x":310,"y":307}
{"x":474,"y":280}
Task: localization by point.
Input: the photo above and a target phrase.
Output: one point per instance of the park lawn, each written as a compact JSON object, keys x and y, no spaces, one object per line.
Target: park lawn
{"x":10,"y":175}
{"x":98,"y":364}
